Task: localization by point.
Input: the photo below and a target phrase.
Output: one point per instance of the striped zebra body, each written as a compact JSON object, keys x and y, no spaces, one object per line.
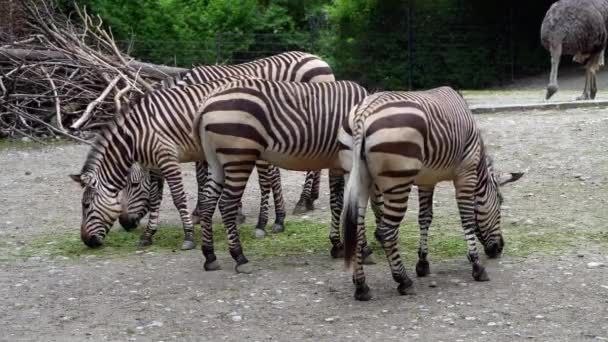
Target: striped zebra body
{"x":156,"y":133}
{"x":395,"y":140}
{"x":289,"y":66}
{"x":291,"y":125}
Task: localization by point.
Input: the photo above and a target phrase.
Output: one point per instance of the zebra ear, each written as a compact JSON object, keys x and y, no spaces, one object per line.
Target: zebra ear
{"x":78,"y":179}
{"x":511,"y":177}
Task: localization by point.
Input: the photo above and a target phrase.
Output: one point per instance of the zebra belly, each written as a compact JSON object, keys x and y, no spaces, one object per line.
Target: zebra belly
{"x":190,"y":155}
{"x":296,"y":163}
{"x":430,"y":177}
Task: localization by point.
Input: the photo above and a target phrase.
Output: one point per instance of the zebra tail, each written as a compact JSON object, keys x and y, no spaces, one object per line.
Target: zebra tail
{"x":356,"y":194}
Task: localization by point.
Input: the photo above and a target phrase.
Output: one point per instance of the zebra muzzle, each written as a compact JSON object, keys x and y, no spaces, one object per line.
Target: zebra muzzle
{"x":128,"y":222}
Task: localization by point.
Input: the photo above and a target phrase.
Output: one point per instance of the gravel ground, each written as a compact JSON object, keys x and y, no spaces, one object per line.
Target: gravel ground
{"x":166,"y":296}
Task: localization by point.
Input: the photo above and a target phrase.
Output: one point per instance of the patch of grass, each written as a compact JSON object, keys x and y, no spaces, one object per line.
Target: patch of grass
{"x":18,"y":144}
{"x":446,"y":241}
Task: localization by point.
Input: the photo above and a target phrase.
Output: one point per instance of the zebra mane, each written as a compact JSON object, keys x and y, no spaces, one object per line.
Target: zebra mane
{"x":113,"y":127}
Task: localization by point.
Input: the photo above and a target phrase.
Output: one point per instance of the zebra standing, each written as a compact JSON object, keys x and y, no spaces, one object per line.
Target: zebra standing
{"x":292,"y":66}
{"x":157,"y":133}
{"x":290,"y":125}
{"x":400,"y":139}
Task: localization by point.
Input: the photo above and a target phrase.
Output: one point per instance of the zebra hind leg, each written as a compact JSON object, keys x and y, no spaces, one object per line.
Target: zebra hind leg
{"x":425,"y":217}
{"x":212,"y":191}
{"x":395,"y":206}
{"x":236,"y":177}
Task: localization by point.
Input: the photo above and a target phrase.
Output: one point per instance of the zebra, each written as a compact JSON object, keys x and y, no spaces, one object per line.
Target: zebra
{"x":290,"y":125}
{"x":157,"y":133}
{"x":293,"y":66}
{"x":394,"y":140}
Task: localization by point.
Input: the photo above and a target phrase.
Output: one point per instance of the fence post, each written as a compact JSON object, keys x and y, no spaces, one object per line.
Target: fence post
{"x":410,"y":44}
{"x":312,"y":32}
{"x":218,"y":47}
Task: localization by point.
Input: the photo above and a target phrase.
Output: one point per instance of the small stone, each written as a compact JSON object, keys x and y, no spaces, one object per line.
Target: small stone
{"x":236,"y":318}
{"x":529,"y":222}
{"x":26,"y":139}
{"x":331,"y":319}
{"x":491,"y":324}
{"x":470,"y":318}
{"x":580,"y":255}
{"x":155,"y":324}
{"x":595,"y":264}
{"x":433,"y":284}
{"x":27,"y":173}
{"x":539,"y":316}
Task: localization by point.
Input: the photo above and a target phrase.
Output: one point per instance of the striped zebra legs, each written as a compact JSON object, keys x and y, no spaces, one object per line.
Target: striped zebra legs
{"x":310,"y":193}
{"x":157,"y":183}
{"x":270,"y":179}
{"x":279,"y":201}
{"x":201,"y":180}
{"x":465,"y":197}
{"x":387,"y":233}
{"x":172,"y":173}
{"x":425,"y":217}
{"x":336,"y":198}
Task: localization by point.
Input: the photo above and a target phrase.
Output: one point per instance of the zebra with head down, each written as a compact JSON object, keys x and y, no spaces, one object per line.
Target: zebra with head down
{"x":394,"y":140}
{"x":289,"y":66}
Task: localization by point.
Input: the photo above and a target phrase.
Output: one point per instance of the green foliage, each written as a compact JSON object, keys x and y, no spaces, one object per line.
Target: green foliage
{"x":462,"y":43}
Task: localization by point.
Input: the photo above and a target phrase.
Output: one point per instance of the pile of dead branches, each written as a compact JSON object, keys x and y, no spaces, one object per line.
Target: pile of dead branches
{"x":68,"y":76}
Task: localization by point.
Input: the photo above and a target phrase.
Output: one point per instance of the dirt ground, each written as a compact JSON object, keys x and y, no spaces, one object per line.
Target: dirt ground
{"x":557,"y":296}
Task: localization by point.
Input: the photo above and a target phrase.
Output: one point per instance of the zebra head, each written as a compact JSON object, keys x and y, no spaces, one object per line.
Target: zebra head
{"x":488,"y":200}
{"x":100,"y":208}
{"x":135,"y":197}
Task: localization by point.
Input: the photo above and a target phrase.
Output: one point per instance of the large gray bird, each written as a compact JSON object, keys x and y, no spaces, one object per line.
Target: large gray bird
{"x":576,"y":28}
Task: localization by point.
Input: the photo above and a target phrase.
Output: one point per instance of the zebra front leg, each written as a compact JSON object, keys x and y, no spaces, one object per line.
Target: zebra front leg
{"x":157,"y":183}
{"x":425,"y":217}
{"x":201,"y":179}
{"x":306,"y":201}
{"x":279,"y":202}
{"x":236,"y":177}
{"x":394,"y":208}
{"x":465,"y":189}
{"x":172,"y":173}
{"x":336,"y":199}
{"x":263,"y":168}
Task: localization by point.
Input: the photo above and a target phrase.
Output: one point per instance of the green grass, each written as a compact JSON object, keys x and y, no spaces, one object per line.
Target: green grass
{"x":304,"y":237}
{"x":18,"y":144}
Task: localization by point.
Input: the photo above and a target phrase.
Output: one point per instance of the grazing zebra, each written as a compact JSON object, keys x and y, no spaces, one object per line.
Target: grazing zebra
{"x":290,"y":125}
{"x":289,"y":66}
{"x":400,"y":139}
{"x":157,"y":133}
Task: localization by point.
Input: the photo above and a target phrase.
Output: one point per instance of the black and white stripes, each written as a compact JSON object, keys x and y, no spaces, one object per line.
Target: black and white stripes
{"x":157,"y":133}
{"x":400,"y":139}
{"x":291,"y":125}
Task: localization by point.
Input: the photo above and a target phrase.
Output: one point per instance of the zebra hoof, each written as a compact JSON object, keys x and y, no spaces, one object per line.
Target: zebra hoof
{"x":406,"y":289}
{"x":368,"y":258}
{"x":303,"y":206}
{"x":363,"y":293}
{"x":278,"y":228}
{"x":260,"y":233}
{"x":244,"y":268}
{"x":212,"y":266}
{"x":423,"y":268}
{"x":240,"y":218}
{"x":144,"y":242}
{"x":188,"y":245}
{"x":479,"y":273}
{"x":337,"y":252}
